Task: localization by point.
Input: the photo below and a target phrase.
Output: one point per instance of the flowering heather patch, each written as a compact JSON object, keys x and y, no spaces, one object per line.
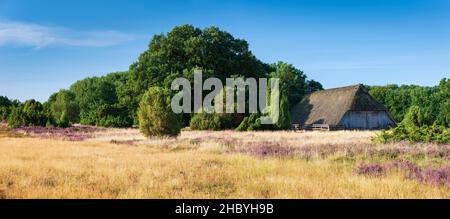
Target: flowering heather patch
{"x":401,"y":165}
{"x":266,"y":149}
{"x":430,"y":175}
{"x":439,"y":152}
{"x":371,"y":170}
{"x":285,"y":148}
{"x":436,"y":176}
{"x":396,"y":151}
{"x":412,"y":170}
{"x":74,"y":133}
{"x":324,"y":150}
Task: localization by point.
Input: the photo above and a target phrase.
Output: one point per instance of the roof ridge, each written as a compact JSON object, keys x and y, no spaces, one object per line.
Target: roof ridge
{"x":340,"y":88}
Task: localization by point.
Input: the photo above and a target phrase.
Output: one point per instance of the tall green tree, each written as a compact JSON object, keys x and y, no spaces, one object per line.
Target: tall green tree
{"x":124,"y":111}
{"x":16,"y":117}
{"x":4,"y":113}
{"x":64,"y":109}
{"x":91,"y":94}
{"x":312,"y":86}
{"x":5,"y":108}
{"x":187,"y":47}
{"x":444,"y":108}
{"x":292,"y":81}
{"x":4,"y":101}
{"x":34,"y":113}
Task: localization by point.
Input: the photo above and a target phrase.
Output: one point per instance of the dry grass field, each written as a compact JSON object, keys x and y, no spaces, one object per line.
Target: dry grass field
{"x":120,"y":163}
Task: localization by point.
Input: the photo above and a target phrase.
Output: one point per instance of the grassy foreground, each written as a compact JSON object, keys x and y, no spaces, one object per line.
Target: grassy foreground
{"x":121,"y":164}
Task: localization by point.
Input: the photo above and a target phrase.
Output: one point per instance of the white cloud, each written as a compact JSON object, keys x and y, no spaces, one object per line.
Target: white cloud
{"x":39,"y":36}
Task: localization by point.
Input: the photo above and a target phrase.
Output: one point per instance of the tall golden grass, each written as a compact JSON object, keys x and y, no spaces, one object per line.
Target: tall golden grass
{"x":122,"y":164}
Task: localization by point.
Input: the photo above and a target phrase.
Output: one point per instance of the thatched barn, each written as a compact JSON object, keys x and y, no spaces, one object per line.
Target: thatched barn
{"x":347,"y":107}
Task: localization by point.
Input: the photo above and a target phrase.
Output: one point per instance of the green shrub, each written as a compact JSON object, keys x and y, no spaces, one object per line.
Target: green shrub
{"x":205,"y":121}
{"x":215,"y":121}
{"x":230,"y":120}
{"x":244,"y":125}
{"x":156,"y":117}
{"x":252,"y":123}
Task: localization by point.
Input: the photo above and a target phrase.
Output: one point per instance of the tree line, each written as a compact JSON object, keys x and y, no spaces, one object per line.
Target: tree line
{"x":141,"y":95}
{"x":423,"y":113}
{"x":138,"y":97}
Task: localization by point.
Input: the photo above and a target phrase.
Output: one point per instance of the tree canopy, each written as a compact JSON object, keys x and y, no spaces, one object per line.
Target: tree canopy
{"x":433,"y":102}
{"x":292,"y":81}
{"x":186,"y":48}
{"x":99,"y":103}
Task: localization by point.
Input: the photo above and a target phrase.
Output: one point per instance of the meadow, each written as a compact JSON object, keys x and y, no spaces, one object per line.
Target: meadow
{"x":89,"y":162}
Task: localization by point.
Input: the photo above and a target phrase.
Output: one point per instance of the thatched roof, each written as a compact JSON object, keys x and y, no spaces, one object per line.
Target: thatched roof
{"x":329,"y":106}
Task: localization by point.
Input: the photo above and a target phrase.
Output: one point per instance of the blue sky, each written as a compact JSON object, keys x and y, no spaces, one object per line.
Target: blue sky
{"x":47,"y":45}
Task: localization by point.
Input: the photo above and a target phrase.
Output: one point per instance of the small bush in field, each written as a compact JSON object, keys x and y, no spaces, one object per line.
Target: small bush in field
{"x":214,"y":121}
{"x":156,"y":117}
{"x":251,"y":123}
{"x":205,"y":121}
